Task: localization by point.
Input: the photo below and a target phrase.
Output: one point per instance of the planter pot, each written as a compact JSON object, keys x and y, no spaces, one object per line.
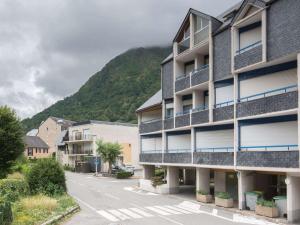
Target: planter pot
{"x":266,"y":211}
{"x":226,"y":203}
{"x":204,"y":198}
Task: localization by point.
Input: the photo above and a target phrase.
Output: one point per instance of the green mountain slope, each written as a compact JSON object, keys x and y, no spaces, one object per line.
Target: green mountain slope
{"x":114,"y":93}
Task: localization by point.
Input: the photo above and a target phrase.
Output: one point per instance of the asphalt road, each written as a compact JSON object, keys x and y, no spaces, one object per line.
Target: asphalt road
{"x":109,"y":201}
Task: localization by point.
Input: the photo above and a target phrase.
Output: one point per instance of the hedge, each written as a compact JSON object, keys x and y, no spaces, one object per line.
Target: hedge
{"x":6,"y":216}
{"x":12,"y":189}
{"x":123,"y":175}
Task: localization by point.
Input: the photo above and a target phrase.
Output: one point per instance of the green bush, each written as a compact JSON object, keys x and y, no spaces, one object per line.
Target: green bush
{"x":47,"y":177}
{"x":159,"y":173}
{"x":6,"y":217}
{"x":12,"y":189}
{"x":200,"y":192}
{"x":266,"y":203}
{"x":123,"y":175}
{"x":157,"y":180}
{"x":69,"y":168}
{"x":223,"y":195}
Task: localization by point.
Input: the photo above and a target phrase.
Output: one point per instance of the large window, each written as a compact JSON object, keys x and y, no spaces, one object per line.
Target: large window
{"x":189,"y":68}
{"x":200,"y":23}
{"x":249,"y":37}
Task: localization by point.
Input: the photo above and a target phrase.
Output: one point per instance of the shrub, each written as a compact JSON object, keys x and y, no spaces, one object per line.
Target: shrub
{"x":159,"y":173}
{"x":46,"y":176}
{"x":200,"y":192}
{"x":6,"y":217}
{"x":223,"y":195}
{"x":16,"y":175}
{"x":123,"y":175}
{"x":266,"y":203}
{"x":69,"y":168}
{"x":39,"y":201}
{"x":157,"y":180}
{"x":12,"y":189}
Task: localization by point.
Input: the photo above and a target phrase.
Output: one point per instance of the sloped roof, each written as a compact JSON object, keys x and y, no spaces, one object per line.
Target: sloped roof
{"x":170,"y":57}
{"x":60,"y":139}
{"x":155,"y":100}
{"x":32,"y":132}
{"x":63,"y":121}
{"x":34,"y":142}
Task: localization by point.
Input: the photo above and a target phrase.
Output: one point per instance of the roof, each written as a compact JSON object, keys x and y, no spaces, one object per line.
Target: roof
{"x":32,"y":132}
{"x":104,"y":122}
{"x":169,"y":58}
{"x":60,"y":139}
{"x":63,"y":121}
{"x":34,"y":142}
{"x":155,"y":100}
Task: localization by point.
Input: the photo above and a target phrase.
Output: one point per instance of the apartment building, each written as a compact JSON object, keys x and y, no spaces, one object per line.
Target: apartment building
{"x":82,"y":142}
{"x":226,"y":118}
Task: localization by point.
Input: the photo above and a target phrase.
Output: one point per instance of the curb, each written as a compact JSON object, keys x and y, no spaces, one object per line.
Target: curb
{"x":57,"y":218}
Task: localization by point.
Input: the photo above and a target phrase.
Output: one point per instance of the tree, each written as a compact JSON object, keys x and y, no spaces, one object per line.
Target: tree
{"x":109,"y":152}
{"x":11,"y":139}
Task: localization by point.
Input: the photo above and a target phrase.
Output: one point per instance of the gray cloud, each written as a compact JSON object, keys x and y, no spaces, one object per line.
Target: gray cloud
{"x":49,"y":48}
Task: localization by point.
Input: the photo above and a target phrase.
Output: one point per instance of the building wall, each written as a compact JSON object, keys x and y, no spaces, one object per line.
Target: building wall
{"x":283,"y":31}
{"x":49,"y":131}
{"x":222,"y":55}
{"x":37,"y":154}
{"x":167,"y":80}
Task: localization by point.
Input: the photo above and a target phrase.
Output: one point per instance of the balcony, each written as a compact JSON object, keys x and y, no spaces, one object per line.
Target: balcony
{"x":184,"y":45}
{"x":224,"y":111}
{"x":169,"y":123}
{"x":221,"y":156}
{"x":79,"y":137}
{"x":276,"y":156}
{"x":201,"y":35}
{"x":267,"y":102}
{"x":151,"y":126}
{"x":182,"y":83}
{"x":248,"y":56}
{"x":154,"y":156}
{"x":79,"y":152}
{"x":200,"y":75}
{"x":182,"y":119}
{"x":178,"y":156}
{"x":200,"y":115}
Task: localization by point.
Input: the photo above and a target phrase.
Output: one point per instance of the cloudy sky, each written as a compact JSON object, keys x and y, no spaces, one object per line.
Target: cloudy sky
{"x":49,"y":48}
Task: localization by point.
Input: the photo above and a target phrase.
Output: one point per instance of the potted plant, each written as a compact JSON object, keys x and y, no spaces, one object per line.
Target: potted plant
{"x":203,"y":196}
{"x":224,"y":199}
{"x":251,"y":199}
{"x":266,"y":208}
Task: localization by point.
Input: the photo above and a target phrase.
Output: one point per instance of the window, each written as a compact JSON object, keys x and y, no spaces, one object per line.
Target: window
{"x":189,"y":67}
{"x":36,"y":150}
{"x":249,"y":37}
{"x":30,"y":152}
{"x":200,"y":23}
{"x":186,"y":33}
{"x":187,"y":108}
{"x":206,"y":60}
{"x":169,"y":113}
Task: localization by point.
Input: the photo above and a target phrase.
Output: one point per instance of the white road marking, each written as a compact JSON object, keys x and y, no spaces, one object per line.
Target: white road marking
{"x":107,"y":216}
{"x":168,"y":210}
{"x":112,"y":196}
{"x":158,"y":211}
{"x":118,"y":214}
{"x":215,"y":212}
{"x":178,"y":209}
{"x":189,"y":209}
{"x":131,"y":214}
{"x":141,"y":212}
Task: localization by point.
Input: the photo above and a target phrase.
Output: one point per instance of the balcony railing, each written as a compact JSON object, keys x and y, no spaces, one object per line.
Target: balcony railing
{"x":183,"y":113}
{"x":80,"y":137}
{"x":150,"y":126}
{"x":223,"y":104}
{"x":218,"y":149}
{"x":156,"y":151}
{"x":80,"y":152}
{"x":240,"y":51}
{"x":200,"y":108}
{"x":270,"y":148}
{"x":178,"y":151}
{"x":270,"y":93}
{"x":183,"y":45}
{"x":201,"y":35}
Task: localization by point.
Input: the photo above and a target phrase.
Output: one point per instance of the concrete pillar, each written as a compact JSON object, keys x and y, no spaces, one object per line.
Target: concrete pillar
{"x":293,"y":198}
{"x":220,"y":181}
{"x":148,"y":171}
{"x":189,"y":176}
{"x":202,"y":179}
{"x":172,"y":179}
{"x":245,"y":183}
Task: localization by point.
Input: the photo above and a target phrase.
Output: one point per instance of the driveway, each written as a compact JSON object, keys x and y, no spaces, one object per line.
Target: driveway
{"x":110,"y":201}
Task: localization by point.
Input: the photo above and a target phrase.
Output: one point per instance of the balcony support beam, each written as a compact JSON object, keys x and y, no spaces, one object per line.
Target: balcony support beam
{"x":245,"y":183}
{"x":202,"y":179}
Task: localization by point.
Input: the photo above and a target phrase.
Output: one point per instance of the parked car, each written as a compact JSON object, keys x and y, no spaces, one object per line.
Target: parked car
{"x":130,"y":169}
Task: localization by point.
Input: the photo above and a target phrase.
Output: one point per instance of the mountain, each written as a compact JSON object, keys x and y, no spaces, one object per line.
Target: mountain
{"x":114,"y":93}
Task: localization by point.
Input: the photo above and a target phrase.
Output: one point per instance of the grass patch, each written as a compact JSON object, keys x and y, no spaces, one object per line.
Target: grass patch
{"x":16,"y":176}
{"x":40,"y":208}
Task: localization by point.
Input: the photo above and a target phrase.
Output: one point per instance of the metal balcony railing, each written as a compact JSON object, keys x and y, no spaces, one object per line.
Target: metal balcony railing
{"x":178,"y":151}
{"x":242,"y":50}
{"x":156,"y":151}
{"x":200,"y":108}
{"x":270,"y":148}
{"x":80,"y":152}
{"x":184,"y":45}
{"x":223,"y":104}
{"x":81,"y":137}
{"x":183,"y":113}
{"x":151,"y":121}
{"x":218,"y":149}
{"x":270,"y":93}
